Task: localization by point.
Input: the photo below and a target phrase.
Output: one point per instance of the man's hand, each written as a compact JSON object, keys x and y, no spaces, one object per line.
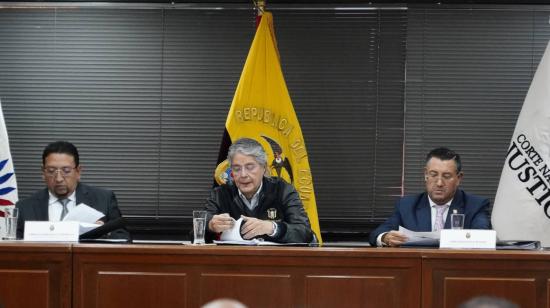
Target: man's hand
{"x":254,"y":227}
{"x":394,"y":238}
{"x":220,"y":223}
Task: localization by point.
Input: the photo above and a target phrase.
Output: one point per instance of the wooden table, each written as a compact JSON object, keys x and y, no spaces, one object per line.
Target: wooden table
{"x":168,"y":276}
{"x":35,"y":275}
{"x":105,"y":275}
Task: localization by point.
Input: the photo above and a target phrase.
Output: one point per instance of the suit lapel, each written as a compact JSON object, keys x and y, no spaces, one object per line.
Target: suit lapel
{"x":41,"y":211}
{"x":424,"y":214}
{"x":82,"y":195}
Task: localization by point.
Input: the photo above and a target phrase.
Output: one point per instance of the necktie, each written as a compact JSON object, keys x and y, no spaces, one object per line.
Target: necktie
{"x":439,"y":222}
{"x":64,"y":211}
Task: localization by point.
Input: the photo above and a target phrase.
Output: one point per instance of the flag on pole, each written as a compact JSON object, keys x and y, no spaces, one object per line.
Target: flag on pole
{"x":8,"y":184}
{"x":522,"y":203}
{"x":262,"y":110}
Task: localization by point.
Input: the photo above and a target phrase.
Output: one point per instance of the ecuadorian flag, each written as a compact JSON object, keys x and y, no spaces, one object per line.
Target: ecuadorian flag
{"x":262,"y":110}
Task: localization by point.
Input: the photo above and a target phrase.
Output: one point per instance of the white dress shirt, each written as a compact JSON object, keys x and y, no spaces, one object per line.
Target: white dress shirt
{"x":434,"y":211}
{"x":252,"y":203}
{"x":55,"y":208}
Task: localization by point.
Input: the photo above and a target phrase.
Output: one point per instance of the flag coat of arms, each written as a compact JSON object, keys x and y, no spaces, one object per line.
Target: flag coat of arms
{"x":522,"y":203}
{"x":262,"y":110}
{"x":8,"y":184}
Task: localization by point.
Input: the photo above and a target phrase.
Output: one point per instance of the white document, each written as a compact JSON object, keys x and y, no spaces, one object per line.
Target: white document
{"x":233,"y":234}
{"x":84,"y":213}
{"x":420,"y":238}
{"x":86,"y":226}
{"x":233,"y":237}
{"x":253,"y":242}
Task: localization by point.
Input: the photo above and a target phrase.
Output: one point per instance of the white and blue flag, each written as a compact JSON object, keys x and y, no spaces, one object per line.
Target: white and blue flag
{"x":522,"y":204}
{"x":8,"y":183}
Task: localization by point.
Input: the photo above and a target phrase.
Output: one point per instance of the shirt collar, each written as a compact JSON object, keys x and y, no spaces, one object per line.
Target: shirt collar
{"x":255,"y":194}
{"x":53,"y":198}
{"x":433,"y":204}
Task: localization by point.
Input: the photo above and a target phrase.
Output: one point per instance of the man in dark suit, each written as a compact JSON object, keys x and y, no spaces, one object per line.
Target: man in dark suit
{"x":428,"y":211}
{"x":61,"y":172}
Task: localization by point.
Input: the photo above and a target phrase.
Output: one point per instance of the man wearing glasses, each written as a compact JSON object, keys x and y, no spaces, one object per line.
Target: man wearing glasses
{"x":429,"y":211}
{"x":271,"y":208}
{"x":61,"y":173}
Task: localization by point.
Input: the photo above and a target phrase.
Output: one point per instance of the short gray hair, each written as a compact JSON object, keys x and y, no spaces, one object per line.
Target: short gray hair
{"x":249,"y":147}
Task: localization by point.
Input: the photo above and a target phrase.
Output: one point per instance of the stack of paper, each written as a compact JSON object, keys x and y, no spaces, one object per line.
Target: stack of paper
{"x":233,"y":237}
{"x":420,"y":238}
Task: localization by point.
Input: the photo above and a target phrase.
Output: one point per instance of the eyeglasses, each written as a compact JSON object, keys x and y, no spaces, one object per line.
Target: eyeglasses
{"x":444,"y":177}
{"x":248,"y":168}
{"x":64,"y":171}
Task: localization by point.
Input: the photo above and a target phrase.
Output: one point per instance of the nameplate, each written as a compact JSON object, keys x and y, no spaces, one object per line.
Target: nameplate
{"x":482,"y":239}
{"x":51,"y":231}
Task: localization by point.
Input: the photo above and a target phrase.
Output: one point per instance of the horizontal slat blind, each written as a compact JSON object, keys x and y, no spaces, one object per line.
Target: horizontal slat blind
{"x":468,"y":71}
{"x":204,"y":53}
{"x":345,"y":72}
{"x":144,"y":94}
{"x":97,"y":84}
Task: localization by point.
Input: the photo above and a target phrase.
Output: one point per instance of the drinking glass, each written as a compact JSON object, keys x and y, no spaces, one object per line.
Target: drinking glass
{"x":199,"y":226}
{"x":10,"y":219}
{"x":457,"y":221}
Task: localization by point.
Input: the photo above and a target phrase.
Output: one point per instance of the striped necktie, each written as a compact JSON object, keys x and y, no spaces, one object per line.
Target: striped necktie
{"x":439,"y":221}
{"x":64,"y":212}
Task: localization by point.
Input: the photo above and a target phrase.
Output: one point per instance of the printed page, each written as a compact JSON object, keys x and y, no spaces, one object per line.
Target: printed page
{"x":83,"y":213}
{"x":420,"y":238}
{"x":233,"y":234}
{"x":86,"y":226}
{"x":233,"y":237}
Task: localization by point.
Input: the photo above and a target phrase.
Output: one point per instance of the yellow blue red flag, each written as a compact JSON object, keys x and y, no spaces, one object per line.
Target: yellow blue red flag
{"x":262,"y":110}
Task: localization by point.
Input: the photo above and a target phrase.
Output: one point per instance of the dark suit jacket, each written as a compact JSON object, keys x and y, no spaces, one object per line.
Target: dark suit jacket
{"x":414,"y":213}
{"x":35,"y":208}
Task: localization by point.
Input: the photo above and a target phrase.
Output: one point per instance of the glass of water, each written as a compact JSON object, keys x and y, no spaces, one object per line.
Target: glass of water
{"x":10,"y":219}
{"x":199,"y":226}
{"x":457,"y":220}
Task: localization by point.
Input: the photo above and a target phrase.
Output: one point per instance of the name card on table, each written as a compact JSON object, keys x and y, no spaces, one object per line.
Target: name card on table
{"x":485,"y":239}
{"x":52,"y":231}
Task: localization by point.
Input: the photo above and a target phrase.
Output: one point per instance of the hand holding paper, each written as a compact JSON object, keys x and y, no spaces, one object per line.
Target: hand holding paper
{"x":220,"y":223}
{"x":233,"y":234}
{"x":84,"y":213}
{"x":394,"y":238}
{"x":253,"y":227}
{"x":87,"y":217}
{"x":420,"y":238}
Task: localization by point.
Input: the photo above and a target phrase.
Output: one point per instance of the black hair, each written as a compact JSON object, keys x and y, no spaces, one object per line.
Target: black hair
{"x":61,"y":147}
{"x":445,"y":154}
